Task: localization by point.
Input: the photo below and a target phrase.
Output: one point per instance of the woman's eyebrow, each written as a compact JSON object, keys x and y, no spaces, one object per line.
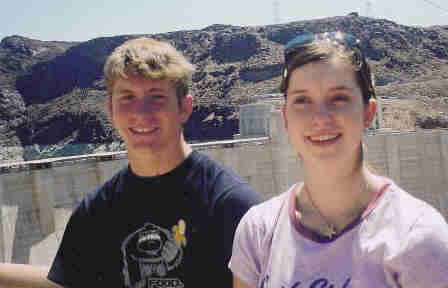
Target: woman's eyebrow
{"x":337,"y":88}
{"x":155,"y":90}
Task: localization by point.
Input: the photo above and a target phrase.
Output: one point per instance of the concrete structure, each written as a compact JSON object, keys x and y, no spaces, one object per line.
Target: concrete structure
{"x":37,"y":197}
{"x":254,"y":120}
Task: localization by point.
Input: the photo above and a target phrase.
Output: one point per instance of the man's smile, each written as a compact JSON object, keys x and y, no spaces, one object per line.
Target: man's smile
{"x":143,"y":130}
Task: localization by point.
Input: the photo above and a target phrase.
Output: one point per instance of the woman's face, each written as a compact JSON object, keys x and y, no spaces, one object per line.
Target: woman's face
{"x":324,"y":114}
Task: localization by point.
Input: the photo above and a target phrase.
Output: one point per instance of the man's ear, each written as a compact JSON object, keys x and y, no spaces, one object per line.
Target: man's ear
{"x":187,"y":108}
{"x":109,"y":109}
{"x":369,"y":113}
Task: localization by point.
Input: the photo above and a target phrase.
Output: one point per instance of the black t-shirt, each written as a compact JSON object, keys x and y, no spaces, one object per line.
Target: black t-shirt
{"x":174,"y":230}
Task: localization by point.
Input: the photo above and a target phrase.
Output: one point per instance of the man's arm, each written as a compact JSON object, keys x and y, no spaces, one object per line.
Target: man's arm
{"x":24,"y":276}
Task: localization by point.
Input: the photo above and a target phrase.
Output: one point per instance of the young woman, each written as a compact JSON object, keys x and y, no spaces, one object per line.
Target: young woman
{"x":343,"y":226}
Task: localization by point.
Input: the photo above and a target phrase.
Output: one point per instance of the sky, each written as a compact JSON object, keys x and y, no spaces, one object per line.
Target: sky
{"x":82,"y":20}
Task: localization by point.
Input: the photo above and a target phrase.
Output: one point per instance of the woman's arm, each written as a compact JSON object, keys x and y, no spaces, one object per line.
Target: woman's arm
{"x":24,"y":276}
{"x":238,"y":283}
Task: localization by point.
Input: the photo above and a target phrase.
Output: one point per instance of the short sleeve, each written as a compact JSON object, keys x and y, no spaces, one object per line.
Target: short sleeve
{"x":423,"y":261}
{"x":246,"y":260}
{"x":234,"y":200}
{"x":70,"y":266}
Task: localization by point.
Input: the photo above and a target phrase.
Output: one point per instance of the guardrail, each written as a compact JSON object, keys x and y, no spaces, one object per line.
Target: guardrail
{"x":107,"y":156}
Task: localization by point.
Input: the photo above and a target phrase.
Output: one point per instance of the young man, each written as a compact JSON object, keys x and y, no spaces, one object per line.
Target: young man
{"x":168,"y":219}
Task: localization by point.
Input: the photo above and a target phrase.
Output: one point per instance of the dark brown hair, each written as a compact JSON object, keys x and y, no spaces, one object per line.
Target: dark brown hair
{"x":320,"y":50}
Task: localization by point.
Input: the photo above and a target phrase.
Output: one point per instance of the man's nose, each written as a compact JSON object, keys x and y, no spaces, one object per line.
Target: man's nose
{"x":146,"y":107}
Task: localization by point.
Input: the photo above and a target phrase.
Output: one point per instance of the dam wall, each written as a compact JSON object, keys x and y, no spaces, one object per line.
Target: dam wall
{"x":37,"y":197}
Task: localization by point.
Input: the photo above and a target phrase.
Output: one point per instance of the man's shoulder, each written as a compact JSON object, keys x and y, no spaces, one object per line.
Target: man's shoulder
{"x":202,"y":160}
{"x":221,"y":183}
{"x":105,"y":193}
{"x":207,"y":169}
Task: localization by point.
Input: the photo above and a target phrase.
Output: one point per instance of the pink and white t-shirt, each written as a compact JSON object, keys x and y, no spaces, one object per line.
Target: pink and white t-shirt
{"x":401,"y":242}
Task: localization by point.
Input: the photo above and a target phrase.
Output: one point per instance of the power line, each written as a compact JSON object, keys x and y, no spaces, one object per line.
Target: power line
{"x":436,"y":5}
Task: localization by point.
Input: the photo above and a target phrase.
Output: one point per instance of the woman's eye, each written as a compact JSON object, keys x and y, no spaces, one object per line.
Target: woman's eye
{"x":126,"y":98}
{"x":340,"y":99}
{"x":158,"y":97}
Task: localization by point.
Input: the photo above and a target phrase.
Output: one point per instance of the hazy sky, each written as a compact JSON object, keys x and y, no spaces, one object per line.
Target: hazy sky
{"x":81,"y":20}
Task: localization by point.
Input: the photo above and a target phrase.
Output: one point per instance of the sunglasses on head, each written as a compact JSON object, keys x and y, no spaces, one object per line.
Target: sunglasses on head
{"x":336,"y":38}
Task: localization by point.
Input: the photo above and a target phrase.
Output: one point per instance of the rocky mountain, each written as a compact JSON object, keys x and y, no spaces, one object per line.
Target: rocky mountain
{"x":52,"y":93}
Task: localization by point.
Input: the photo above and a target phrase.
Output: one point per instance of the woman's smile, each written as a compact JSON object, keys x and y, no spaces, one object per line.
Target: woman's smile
{"x":324,"y":139}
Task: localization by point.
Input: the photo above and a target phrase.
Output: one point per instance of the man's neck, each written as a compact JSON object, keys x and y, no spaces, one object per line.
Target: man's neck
{"x":155,"y":164}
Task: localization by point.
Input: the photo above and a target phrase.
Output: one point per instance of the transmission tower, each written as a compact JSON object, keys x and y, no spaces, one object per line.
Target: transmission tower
{"x":276,"y":11}
{"x":436,"y":6}
{"x":369,"y":9}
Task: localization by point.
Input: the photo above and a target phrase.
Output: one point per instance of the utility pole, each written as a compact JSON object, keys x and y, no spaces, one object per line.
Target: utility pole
{"x":369,"y":9}
{"x":276,"y":11}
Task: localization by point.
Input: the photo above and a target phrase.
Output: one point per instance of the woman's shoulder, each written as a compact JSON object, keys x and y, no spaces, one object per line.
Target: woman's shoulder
{"x":407,"y":212}
{"x":411,"y":206}
{"x":263,"y":216}
{"x":417,"y":238}
{"x":270,"y":208}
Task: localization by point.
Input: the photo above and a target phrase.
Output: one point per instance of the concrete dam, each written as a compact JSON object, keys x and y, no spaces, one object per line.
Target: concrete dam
{"x":37,"y":197}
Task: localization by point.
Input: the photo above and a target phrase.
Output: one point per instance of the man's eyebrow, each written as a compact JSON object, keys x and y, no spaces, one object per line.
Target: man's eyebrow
{"x":298,"y":91}
{"x":123,"y":90}
{"x":127,"y":90}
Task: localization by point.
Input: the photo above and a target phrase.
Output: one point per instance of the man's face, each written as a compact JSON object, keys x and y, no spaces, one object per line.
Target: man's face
{"x":147,"y":114}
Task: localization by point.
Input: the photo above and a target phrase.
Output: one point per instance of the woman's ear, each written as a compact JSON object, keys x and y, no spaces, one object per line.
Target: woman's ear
{"x":369,"y":113}
{"x":285,"y":119}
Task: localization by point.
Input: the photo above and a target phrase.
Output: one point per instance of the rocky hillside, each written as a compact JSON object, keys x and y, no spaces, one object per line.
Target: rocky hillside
{"x":52,"y":93}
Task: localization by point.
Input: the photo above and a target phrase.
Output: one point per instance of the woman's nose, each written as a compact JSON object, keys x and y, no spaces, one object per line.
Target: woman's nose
{"x":322,"y":111}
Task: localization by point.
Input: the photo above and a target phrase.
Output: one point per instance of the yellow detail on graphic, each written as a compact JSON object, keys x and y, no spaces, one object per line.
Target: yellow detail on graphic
{"x":179,"y":233}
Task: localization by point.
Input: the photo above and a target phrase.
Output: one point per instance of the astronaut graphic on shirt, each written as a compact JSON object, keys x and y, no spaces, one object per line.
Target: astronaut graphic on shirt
{"x":150,"y":253}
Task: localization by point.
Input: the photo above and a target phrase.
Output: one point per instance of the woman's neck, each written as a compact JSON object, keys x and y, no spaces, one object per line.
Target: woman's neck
{"x":339,"y":195}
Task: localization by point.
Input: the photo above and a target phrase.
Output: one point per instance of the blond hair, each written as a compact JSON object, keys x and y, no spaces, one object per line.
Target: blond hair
{"x":149,"y":59}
